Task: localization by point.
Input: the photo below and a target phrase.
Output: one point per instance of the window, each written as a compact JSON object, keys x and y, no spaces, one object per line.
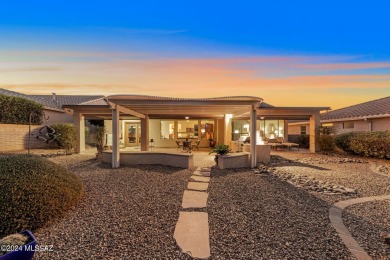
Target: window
{"x":303,"y":130}
{"x":167,"y":129}
{"x":348,"y":125}
{"x":187,"y":129}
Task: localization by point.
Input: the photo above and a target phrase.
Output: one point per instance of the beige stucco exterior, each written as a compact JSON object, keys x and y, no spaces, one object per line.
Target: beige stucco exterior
{"x":345,"y":126}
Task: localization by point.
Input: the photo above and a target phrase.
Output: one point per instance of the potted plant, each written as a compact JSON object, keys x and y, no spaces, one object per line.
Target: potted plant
{"x":220,"y":149}
{"x":212,"y":142}
{"x":99,"y":140}
{"x":18,"y":246}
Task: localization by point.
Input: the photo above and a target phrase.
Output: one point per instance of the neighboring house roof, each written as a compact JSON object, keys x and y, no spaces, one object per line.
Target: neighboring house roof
{"x":374,"y":108}
{"x":265,"y":105}
{"x":53,"y":102}
{"x":67,"y":99}
{"x":48,"y":104}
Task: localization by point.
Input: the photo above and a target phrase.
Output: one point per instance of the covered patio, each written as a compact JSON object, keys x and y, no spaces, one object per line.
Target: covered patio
{"x":222,"y":110}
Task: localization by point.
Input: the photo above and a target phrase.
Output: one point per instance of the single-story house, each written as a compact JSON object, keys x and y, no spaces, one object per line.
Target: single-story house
{"x":368,"y":116}
{"x":139,"y":120}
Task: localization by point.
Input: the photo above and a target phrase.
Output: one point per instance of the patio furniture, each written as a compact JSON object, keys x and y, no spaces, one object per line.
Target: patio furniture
{"x":187,"y":147}
{"x":288,"y":145}
{"x":196,"y":145}
{"x":179,"y":145}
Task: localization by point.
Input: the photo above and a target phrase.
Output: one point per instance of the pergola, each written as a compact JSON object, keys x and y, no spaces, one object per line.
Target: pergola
{"x":141,"y":107}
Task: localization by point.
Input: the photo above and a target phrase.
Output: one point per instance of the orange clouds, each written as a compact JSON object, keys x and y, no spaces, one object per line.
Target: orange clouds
{"x":289,"y":77}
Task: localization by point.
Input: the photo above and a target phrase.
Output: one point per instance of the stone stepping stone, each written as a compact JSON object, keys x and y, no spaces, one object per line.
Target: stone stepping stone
{"x":200,"y":178}
{"x":200,"y":186}
{"x":192,"y":234}
{"x":194,"y":199}
{"x":198,"y":173}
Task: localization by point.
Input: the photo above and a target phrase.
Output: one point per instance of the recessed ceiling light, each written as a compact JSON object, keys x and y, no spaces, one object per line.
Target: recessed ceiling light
{"x":187,"y":117}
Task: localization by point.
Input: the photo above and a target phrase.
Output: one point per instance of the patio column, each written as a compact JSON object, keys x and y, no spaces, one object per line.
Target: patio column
{"x":145,"y":133}
{"x":115,"y":138}
{"x":227,"y":129}
{"x":78,"y":120}
{"x":253,"y":141}
{"x":314,"y":123}
{"x":285,"y":130}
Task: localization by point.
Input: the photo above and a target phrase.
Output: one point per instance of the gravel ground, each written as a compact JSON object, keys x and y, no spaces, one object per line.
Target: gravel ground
{"x":347,"y":171}
{"x":126,"y":213}
{"x":372,"y":216}
{"x":262,"y":217}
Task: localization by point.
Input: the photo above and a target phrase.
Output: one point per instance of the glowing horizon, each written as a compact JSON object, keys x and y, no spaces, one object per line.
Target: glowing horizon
{"x":168,"y":54}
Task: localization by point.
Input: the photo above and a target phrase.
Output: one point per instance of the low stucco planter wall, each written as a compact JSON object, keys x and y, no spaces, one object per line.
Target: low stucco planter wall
{"x":148,"y":157}
{"x":263,"y":152}
{"x":234,"y":160}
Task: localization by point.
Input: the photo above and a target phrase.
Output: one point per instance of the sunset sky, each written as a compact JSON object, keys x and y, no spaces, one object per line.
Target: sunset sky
{"x":290,"y":53}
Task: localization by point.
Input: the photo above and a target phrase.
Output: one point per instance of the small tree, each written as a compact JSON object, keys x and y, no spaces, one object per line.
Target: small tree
{"x":99,"y":138}
{"x":326,"y":137}
{"x":67,"y":136}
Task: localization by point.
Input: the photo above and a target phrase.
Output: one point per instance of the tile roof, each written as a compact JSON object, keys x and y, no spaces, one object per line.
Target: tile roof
{"x":48,"y":102}
{"x":368,"y":109}
{"x":265,"y":105}
{"x":68,"y":99}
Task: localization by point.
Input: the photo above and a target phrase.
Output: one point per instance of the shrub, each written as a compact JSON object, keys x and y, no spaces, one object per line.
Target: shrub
{"x":16,"y":110}
{"x":326,"y":137}
{"x":99,"y":136}
{"x":304,"y":141}
{"x":67,"y":136}
{"x":34,"y":191}
{"x":87,"y":131}
{"x":221,"y":149}
{"x":370,"y":144}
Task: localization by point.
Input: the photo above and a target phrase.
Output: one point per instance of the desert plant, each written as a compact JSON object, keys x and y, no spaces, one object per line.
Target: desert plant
{"x":34,"y":190}
{"x":87,"y":131}
{"x":370,"y":144}
{"x":221,"y":149}
{"x":17,"y":110}
{"x":326,"y":137}
{"x":99,"y":137}
{"x":304,"y":141}
{"x":67,"y":136}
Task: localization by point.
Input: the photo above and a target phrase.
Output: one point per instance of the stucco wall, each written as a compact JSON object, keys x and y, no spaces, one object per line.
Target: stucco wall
{"x":296,"y":129}
{"x":380,"y":124}
{"x":57,"y":117}
{"x":15,"y":138}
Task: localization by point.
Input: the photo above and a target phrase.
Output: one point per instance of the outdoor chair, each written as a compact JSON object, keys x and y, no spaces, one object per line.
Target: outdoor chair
{"x":187,"y":146}
{"x":196,"y":145}
{"x":179,"y":145}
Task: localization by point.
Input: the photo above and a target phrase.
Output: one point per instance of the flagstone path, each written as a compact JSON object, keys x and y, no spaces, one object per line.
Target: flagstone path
{"x":192,"y":228}
{"x":335,"y":216}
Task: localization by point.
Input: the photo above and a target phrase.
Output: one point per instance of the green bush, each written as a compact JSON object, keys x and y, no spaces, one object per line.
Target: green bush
{"x":67,"y":136}
{"x":326,"y":135}
{"x":304,"y":141}
{"x":370,"y":144}
{"x":34,"y":191}
{"x":16,"y":110}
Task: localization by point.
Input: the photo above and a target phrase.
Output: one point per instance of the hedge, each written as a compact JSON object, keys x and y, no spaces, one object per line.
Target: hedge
{"x":16,"y":110}
{"x":370,"y":144}
{"x":34,"y":191}
{"x":67,"y":136}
